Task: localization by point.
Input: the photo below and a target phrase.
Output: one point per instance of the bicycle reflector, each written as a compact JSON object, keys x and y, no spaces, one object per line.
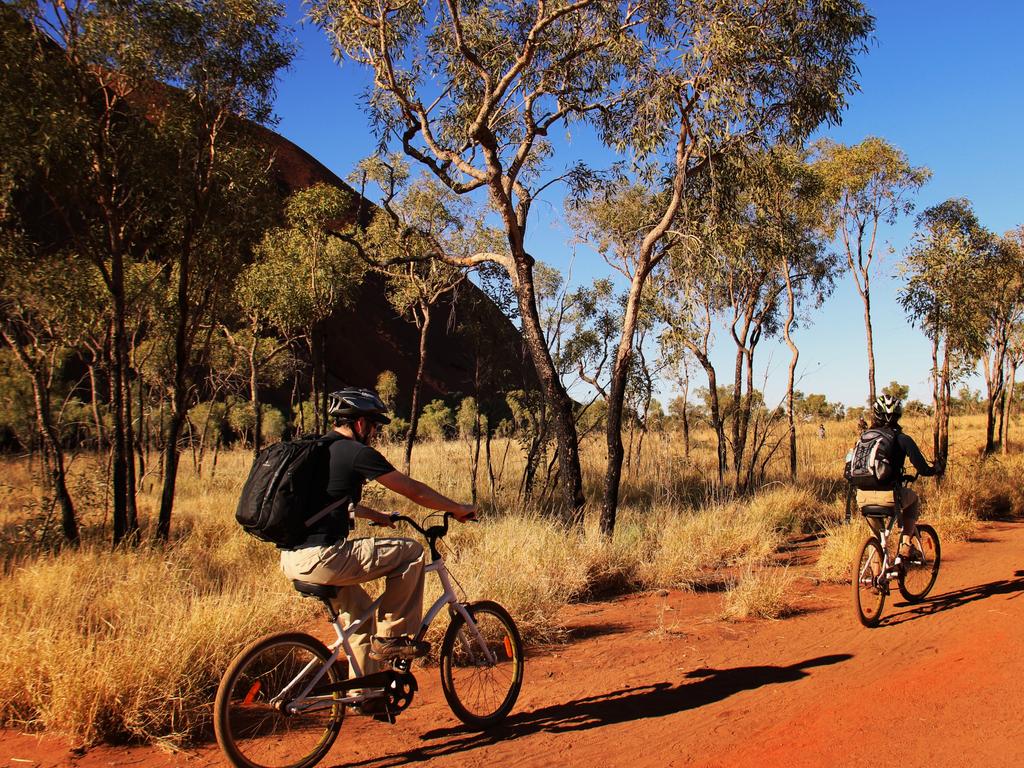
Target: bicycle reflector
{"x":254,"y":691}
{"x":508,"y":646}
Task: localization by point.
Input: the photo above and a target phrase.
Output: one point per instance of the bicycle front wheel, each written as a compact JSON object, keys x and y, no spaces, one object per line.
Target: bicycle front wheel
{"x":482,"y":665}
{"x":919,"y":573}
{"x":869,"y":586}
{"x":251,"y":719}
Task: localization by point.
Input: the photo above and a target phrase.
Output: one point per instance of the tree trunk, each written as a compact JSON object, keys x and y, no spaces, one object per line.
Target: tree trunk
{"x":1004,"y":438}
{"x":570,"y":475}
{"x":936,"y":395}
{"x":794,"y":357}
{"x":716,"y":412}
{"x":994,"y":380}
{"x":686,"y":415}
{"x":52,"y":450}
{"x":254,"y":397}
{"x":870,"y":341}
{"x":181,"y":356}
{"x":616,"y":399}
{"x":97,"y":420}
{"x":946,"y":395}
{"x":119,"y":448}
{"x":414,"y":412}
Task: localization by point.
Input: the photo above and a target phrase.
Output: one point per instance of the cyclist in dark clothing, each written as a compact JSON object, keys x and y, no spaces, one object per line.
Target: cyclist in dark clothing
{"x":327,"y":556}
{"x":886,"y":413}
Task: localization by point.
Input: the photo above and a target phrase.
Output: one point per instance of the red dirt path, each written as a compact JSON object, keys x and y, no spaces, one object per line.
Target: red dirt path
{"x":656,"y":680}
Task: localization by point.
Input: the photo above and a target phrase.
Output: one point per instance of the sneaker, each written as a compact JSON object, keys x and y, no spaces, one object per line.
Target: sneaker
{"x":401,"y":647}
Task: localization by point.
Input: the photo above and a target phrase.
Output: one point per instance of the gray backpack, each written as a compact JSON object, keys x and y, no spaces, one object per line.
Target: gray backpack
{"x":872,"y":464}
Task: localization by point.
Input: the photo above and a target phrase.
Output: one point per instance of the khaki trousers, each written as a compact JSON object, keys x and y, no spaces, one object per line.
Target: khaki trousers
{"x":349,"y":563}
{"x":909,"y":503}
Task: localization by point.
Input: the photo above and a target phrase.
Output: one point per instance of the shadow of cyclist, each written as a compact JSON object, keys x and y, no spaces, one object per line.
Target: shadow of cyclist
{"x":957,"y":599}
{"x":656,"y":700}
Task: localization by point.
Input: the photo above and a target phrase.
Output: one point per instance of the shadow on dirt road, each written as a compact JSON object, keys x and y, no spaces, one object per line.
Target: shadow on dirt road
{"x":957,"y":599}
{"x":657,"y":700}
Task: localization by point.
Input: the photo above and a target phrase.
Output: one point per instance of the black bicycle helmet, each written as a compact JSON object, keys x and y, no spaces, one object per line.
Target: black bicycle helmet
{"x":887,"y":409}
{"x":352,"y":402}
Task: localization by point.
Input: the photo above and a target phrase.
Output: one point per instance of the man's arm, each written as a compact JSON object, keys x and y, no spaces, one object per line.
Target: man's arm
{"x":424,"y":495}
{"x":917,"y":458}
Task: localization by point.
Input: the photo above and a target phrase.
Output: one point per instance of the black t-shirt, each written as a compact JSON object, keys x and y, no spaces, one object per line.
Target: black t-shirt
{"x":351,"y":466}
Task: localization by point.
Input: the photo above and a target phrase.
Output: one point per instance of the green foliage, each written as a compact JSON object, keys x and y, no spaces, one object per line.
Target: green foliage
{"x":466,"y":417}
{"x":396,"y":430}
{"x":301,"y":273}
{"x":815,"y":407}
{"x":437,"y":421}
{"x":868,"y":181}
{"x":387,"y":388}
{"x":947,"y":269}
{"x":17,"y":408}
{"x":897,"y":390}
{"x":209,"y":418}
{"x":272,"y":424}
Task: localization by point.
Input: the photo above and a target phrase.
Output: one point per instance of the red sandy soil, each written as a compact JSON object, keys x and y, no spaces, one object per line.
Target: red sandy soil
{"x":658,"y":680}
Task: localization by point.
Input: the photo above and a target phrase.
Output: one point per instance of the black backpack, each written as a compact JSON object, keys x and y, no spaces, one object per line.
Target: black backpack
{"x":873,"y":464}
{"x":285,"y":492}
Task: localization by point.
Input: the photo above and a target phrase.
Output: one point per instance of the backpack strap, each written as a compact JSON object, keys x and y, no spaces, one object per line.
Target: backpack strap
{"x":327,"y":510}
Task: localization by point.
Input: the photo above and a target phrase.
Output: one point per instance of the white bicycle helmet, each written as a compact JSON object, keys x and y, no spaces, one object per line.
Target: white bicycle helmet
{"x":887,"y":409}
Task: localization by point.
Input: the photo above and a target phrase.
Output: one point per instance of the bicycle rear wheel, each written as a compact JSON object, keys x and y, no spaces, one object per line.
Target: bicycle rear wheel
{"x":918,"y":575}
{"x":869,"y":585}
{"x":250,"y":720}
{"x":481,"y":691}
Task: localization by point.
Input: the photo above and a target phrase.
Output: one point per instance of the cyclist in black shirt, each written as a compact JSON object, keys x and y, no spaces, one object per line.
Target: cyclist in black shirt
{"x":885,"y":414}
{"x":327,"y":556}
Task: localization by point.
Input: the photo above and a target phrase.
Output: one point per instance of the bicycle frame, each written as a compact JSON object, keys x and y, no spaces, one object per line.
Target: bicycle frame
{"x":882,"y":534}
{"x":303,"y":702}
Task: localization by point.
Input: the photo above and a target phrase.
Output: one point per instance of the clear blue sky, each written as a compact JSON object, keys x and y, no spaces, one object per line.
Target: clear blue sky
{"x":944,"y":81}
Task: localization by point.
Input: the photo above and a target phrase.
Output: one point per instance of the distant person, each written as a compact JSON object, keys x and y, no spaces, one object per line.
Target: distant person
{"x":885,"y":415}
{"x":821,"y":431}
{"x":328,"y":556}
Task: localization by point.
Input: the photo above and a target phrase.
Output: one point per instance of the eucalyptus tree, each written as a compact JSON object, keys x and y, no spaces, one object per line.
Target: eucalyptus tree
{"x":133,"y":164}
{"x":1004,"y":311}
{"x":30,"y":324}
{"x":222,"y":58}
{"x":675,"y":356}
{"x":787,"y":198}
{"x":714,"y":78}
{"x":472,"y":92}
{"x":302,"y":273}
{"x":418,"y":229}
{"x":870,"y":183}
{"x":692,"y":297}
{"x":1014,"y":360}
{"x":93,"y":169}
{"x":946,"y":271}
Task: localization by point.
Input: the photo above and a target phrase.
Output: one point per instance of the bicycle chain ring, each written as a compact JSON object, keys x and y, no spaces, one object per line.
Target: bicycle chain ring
{"x":400,"y":690}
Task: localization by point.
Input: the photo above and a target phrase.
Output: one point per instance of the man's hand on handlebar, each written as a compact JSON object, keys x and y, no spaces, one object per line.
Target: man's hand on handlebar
{"x":382,"y":519}
{"x":466,"y":513}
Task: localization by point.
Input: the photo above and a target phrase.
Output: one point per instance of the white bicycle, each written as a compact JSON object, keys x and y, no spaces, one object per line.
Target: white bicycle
{"x":282,"y":700}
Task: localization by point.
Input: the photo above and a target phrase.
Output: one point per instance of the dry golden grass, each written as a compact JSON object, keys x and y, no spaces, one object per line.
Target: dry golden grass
{"x":103,"y":644}
{"x":765,"y":593}
{"x":842,"y":543}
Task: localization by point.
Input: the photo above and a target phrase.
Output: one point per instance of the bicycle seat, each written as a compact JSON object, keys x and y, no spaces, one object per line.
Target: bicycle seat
{"x":323,"y":591}
{"x":874,"y":510}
